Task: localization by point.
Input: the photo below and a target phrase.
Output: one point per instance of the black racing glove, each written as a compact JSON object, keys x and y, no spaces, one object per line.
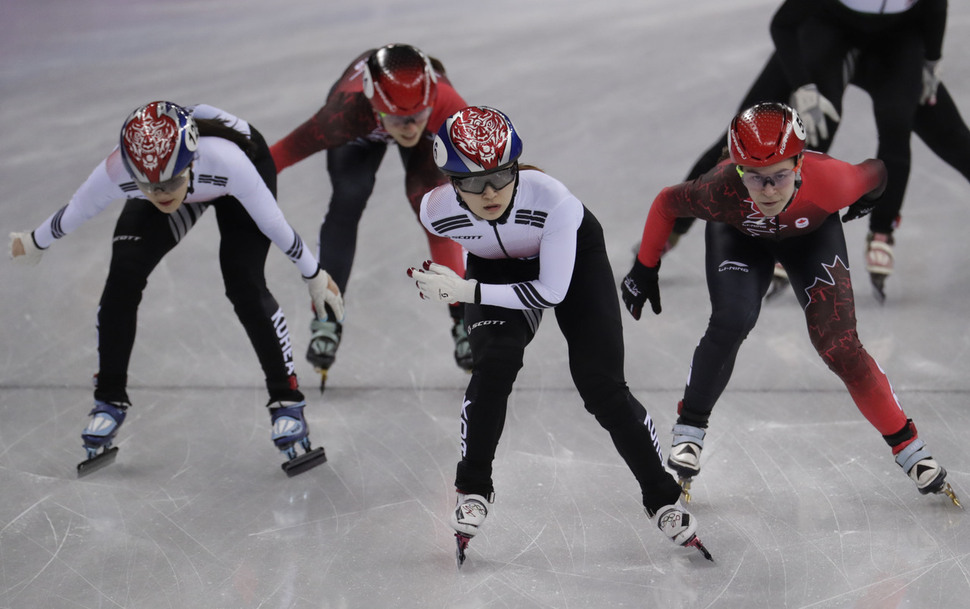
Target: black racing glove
{"x":860,"y":208}
{"x":639,"y":285}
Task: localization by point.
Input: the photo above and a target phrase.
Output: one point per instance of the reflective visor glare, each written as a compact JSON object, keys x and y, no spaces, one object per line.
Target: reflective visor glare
{"x":168,"y":186}
{"x":475,"y":185}
{"x":756,"y":181}
{"x":400,"y":121}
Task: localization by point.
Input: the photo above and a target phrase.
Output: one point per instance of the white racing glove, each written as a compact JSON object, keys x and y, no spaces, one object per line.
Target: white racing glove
{"x":23,"y":250}
{"x":931,"y":82}
{"x":324,"y":292}
{"x":813,"y":107}
{"x":440,"y":283}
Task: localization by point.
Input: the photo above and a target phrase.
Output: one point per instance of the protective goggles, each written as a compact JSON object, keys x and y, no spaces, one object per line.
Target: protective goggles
{"x":756,"y":181}
{"x":393,"y":120}
{"x":168,"y":186}
{"x":475,"y":185}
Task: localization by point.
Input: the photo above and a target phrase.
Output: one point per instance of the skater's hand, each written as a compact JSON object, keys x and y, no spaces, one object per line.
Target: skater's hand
{"x":860,"y":208}
{"x":440,"y":283}
{"x":813,"y":107}
{"x":641,"y":284}
{"x":23,"y":250}
{"x":325,"y":293}
{"x":931,"y":82}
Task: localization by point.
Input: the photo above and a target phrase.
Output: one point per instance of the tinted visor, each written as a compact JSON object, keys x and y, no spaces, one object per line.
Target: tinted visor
{"x":475,"y":185}
{"x":168,"y":186}
{"x":394,"y":120}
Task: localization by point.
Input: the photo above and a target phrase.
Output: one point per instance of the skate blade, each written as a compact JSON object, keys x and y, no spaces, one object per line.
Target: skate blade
{"x":104,"y":459}
{"x":462,"y":542}
{"x":696,"y":543}
{"x":948,"y":491}
{"x":323,"y":378}
{"x":777,"y":287}
{"x":305,"y":462}
{"x":879,"y":288}
{"x":685,"y":488}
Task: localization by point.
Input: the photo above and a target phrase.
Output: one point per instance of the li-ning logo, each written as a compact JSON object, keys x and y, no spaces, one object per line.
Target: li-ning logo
{"x":731,"y":265}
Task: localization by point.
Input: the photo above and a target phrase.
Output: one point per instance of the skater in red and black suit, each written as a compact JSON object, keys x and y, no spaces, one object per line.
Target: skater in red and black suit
{"x":394,"y":94}
{"x":892,"y":50}
{"x":772,"y":200}
{"x":171,"y":165}
{"x":532,"y":247}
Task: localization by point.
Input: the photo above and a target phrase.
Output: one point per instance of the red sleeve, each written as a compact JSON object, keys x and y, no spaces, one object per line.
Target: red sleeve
{"x":660,"y":223}
{"x":345,"y":117}
{"x":717,"y":195}
{"x":447,"y":103}
{"x":832,"y":184}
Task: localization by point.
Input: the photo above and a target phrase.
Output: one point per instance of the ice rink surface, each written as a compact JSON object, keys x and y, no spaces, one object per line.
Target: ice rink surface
{"x":800,"y":500}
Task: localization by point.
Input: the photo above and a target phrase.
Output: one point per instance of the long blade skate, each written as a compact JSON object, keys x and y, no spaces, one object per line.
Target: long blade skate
{"x":878,"y":287}
{"x":323,"y":378}
{"x":685,"y":488}
{"x":948,"y":491}
{"x":694,"y":542}
{"x":777,"y":287}
{"x":102,"y":459}
{"x":462,"y":542}
{"x":308,"y":460}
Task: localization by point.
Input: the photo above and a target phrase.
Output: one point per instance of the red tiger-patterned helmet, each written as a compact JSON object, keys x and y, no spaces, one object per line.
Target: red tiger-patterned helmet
{"x":765,"y":134}
{"x":158,"y":141}
{"x":399,"y":80}
{"x":476,"y":140}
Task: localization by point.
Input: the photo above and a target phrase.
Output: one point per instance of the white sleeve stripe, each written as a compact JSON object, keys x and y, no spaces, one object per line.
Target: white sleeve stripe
{"x":530,"y":296}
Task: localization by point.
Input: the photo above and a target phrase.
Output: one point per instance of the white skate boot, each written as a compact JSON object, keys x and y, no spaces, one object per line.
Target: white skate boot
{"x":469,"y":514}
{"x":879,"y":262}
{"x":679,"y":526}
{"x":325,"y":337}
{"x":923,"y":469}
{"x":685,"y":455}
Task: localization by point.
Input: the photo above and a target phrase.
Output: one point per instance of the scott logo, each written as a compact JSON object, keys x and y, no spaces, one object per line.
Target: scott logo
{"x":486,"y":322}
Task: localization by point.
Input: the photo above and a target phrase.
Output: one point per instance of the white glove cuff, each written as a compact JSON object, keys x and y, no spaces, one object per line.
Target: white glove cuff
{"x":322,"y":296}
{"x":32,"y":254}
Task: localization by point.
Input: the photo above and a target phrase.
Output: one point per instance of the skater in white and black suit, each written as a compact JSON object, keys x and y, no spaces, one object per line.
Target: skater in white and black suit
{"x":531,"y":245}
{"x":171,"y":164}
